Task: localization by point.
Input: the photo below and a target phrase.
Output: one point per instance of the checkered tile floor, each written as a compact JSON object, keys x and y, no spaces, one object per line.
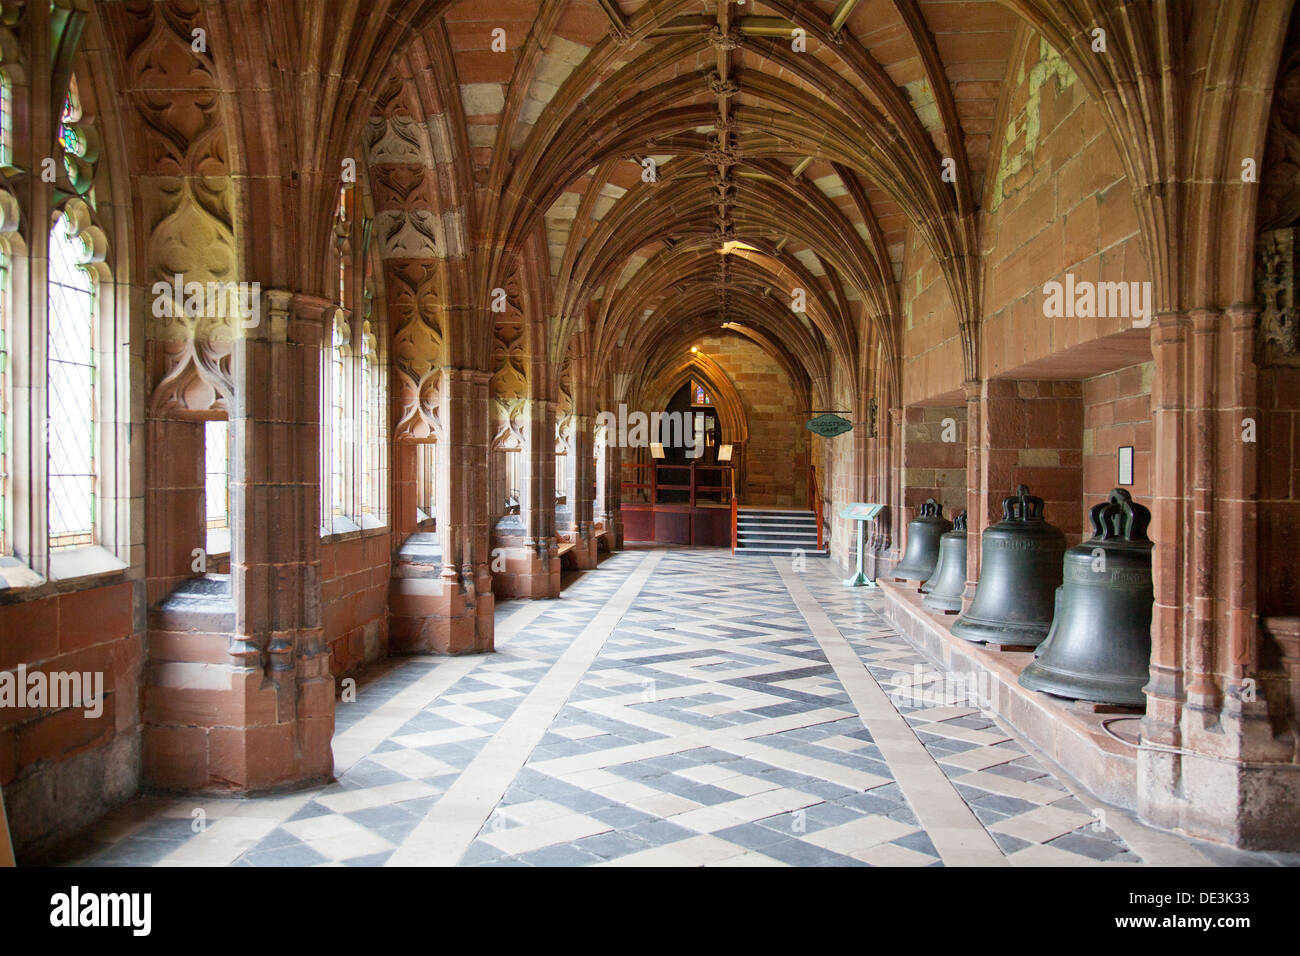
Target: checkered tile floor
{"x":706,"y":726}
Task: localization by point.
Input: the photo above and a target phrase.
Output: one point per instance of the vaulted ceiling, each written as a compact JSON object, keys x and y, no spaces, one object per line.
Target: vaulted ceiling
{"x":675,"y":166}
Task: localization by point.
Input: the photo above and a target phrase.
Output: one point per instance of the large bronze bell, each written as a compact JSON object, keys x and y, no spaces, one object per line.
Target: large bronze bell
{"x":946,"y":588}
{"x":923,"y":533}
{"x":1099,"y":648}
{"x":1020,"y":569}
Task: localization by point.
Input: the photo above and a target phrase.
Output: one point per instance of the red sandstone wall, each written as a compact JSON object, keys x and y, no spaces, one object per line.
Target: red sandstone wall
{"x":1057,"y":202}
{"x":60,"y":768}
{"x":932,"y":363}
{"x":354,"y":599}
{"x":932,"y":467}
{"x":1116,"y":411}
{"x":1034,"y":436}
{"x":776,"y":456}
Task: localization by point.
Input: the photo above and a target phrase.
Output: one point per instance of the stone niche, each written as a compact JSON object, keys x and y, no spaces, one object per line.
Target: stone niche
{"x":1033,"y":435}
{"x":934,"y":458}
{"x":1117,"y":414}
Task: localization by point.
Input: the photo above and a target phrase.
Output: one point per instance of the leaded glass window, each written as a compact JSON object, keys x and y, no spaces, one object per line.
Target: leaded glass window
{"x":6,"y":120}
{"x":338,"y":415}
{"x":5,"y":453}
{"x":71,"y":391}
{"x":216,"y":485}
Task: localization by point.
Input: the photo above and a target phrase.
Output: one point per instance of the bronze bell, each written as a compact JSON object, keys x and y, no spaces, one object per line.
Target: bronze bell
{"x":922,"y":552}
{"x":1020,"y":569}
{"x":946,"y":588}
{"x":1099,"y":648}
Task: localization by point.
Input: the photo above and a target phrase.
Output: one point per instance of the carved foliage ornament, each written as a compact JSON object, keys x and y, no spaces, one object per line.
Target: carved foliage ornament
{"x":1277,"y":335}
{"x":720,"y":87}
{"x":724,"y":41}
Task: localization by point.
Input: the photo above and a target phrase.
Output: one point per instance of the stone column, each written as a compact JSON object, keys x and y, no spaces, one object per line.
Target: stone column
{"x":243,"y":700}
{"x":582,"y":477}
{"x":1213,"y":762}
{"x":890,"y":528}
{"x":441,"y":600}
{"x":611,"y":503}
{"x":976,"y":513}
{"x":525,"y":563}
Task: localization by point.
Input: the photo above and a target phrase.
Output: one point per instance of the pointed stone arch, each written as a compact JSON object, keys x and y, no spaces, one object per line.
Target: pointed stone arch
{"x":659,"y":390}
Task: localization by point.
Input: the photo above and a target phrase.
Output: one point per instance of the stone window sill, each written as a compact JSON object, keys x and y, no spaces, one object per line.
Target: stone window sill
{"x":16,"y":577}
{"x":88,"y":562}
{"x":346,"y":529}
{"x":218,"y":543}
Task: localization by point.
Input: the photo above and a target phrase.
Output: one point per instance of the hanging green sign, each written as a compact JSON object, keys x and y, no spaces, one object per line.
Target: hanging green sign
{"x":829,"y":425}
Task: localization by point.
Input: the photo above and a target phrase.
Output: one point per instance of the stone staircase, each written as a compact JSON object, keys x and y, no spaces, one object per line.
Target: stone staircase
{"x":764,"y":531}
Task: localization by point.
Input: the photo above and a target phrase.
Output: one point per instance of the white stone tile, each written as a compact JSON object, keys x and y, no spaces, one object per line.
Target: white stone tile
{"x":746,"y":785}
{"x":433,"y":738}
{"x":534,"y":811}
{"x":348,"y":801}
{"x":1042,"y":824}
{"x":663,"y":804}
{"x":412,"y":763}
{"x":858,"y":835}
{"x":889,"y":854}
{"x":1010,"y":787}
{"x":528,"y":838}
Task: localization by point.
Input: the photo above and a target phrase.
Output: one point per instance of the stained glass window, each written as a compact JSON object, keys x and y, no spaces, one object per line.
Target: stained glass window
{"x":71,"y":138}
{"x":6,"y":120}
{"x":4,"y":403}
{"x":71,"y":391}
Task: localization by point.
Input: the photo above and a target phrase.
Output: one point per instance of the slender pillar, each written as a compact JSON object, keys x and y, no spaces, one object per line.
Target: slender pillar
{"x":441,"y":600}
{"x":240,"y":698}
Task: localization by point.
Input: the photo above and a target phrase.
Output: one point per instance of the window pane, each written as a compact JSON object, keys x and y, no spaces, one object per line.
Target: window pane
{"x":71,"y":396}
{"x":369,"y":501}
{"x":374,"y":426}
{"x":427,"y":470}
{"x":4,"y":404}
{"x":6,"y":121}
{"x":338,"y":403}
{"x":216,"y":471}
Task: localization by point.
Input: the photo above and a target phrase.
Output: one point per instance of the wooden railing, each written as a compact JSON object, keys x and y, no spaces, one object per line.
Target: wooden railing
{"x":815,"y":494}
{"x":735,"y":514}
{"x":694,"y":483}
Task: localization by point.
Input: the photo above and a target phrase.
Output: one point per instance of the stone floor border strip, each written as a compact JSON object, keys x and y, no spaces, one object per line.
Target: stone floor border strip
{"x":957,"y":834}
{"x":454,"y":821}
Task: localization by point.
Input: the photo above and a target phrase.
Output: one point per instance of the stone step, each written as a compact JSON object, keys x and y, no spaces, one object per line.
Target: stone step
{"x":807,"y":552}
{"x":777,"y":536}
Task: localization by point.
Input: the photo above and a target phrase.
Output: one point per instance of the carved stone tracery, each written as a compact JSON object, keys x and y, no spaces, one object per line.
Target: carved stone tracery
{"x":187,"y":204}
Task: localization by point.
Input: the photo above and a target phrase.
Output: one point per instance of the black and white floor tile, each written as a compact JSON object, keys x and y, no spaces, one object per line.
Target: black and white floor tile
{"x":704,"y":725}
